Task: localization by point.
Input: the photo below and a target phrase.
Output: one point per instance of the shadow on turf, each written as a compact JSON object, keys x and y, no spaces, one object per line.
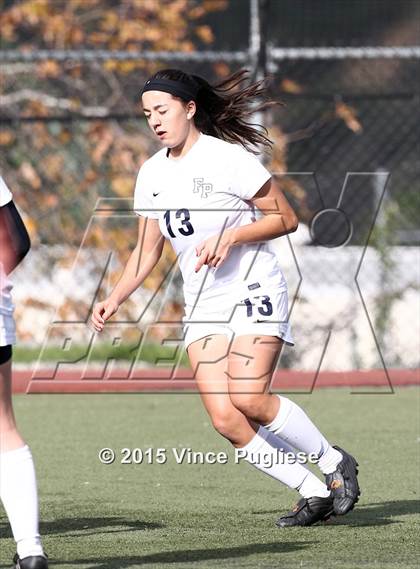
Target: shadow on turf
{"x":188,"y":555}
{"x":87,"y":526}
{"x":379,"y":514}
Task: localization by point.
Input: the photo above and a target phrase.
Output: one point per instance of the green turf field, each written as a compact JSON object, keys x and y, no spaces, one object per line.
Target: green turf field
{"x":170,"y":515}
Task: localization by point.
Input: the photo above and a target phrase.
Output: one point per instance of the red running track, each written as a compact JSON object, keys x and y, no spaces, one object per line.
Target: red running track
{"x":159,"y":379}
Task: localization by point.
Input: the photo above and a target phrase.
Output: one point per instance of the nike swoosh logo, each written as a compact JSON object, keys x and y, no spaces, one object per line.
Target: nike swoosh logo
{"x":155,"y":194}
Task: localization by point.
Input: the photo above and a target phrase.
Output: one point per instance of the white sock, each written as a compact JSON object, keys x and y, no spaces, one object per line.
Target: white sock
{"x":294,"y":426}
{"x":18,"y":493}
{"x":267,"y":453}
{"x":312,"y":486}
{"x":329,"y":460}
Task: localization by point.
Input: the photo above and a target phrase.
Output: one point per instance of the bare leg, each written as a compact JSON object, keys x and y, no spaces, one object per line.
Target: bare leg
{"x":209,"y":361}
{"x":10,"y":438}
{"x":250,"y":367}
{"x":251,"y":362}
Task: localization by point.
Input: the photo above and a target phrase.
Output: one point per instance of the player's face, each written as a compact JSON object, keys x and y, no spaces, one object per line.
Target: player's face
{"x":168,"y":117}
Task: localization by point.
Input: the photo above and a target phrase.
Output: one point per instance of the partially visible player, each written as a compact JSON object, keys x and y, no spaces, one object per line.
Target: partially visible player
{"x":201,"y":192}
{"x":18,"y":489}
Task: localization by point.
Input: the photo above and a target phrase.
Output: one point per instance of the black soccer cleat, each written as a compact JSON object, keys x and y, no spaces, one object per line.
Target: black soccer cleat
{"x":31,"y":562}
{"x":343,"y":484}
{"x":307,"y":512}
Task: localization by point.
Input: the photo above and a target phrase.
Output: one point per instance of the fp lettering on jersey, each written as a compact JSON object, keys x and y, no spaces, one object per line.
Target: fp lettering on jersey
{"x":204,"y":187}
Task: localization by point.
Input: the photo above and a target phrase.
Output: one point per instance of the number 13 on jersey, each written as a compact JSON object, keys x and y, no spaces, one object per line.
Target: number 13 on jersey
{"x":183,"y":215}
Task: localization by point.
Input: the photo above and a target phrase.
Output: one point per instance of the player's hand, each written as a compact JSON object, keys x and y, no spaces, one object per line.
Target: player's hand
{"x":214,"y":251}
{"x":102,"y":311}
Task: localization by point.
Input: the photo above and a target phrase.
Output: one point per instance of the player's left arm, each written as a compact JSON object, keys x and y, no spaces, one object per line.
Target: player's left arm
{"x":279,"y":219}
{"x":14,"y":239}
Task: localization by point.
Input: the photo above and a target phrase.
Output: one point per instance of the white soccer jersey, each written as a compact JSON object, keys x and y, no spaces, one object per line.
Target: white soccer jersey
{"x":198,"y":196}
{"x":5,"y":193}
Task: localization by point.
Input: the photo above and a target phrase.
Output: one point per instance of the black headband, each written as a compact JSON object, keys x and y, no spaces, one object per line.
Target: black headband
{"x":176,"y":88}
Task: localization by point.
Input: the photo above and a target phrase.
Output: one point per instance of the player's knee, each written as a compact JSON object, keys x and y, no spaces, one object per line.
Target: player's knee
{"x":250,"y":404}
{"x":225,"y":424}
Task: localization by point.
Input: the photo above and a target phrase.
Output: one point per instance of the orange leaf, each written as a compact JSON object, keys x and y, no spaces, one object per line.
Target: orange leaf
{"x":290,"y":86}
{"x":48,"y":68}
{"x":348,"y":115}
{"x":205,"y":34}
{"x":29,"y":175}
{"x":6,"y":137}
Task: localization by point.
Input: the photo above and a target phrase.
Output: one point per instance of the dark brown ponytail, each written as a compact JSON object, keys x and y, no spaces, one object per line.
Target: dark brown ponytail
{"x":225,"y":109}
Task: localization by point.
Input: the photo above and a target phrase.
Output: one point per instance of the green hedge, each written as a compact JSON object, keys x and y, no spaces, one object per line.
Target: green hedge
{"x":150,"y":353}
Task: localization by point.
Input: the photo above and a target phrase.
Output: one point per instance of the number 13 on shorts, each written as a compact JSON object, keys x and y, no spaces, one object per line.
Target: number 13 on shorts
{"x":261,"y":303}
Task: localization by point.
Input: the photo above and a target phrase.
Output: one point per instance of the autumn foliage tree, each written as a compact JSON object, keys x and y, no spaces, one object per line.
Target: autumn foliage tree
{"x":82,"y":136}
{"x":60,"y":167}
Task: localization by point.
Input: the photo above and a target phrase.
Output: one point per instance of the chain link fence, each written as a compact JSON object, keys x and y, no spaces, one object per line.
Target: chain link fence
{"x":345,"y":153}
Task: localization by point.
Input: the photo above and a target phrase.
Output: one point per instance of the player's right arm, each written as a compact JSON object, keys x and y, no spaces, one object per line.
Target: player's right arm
{"x":14,"y":239}
{"x":141,"y":262}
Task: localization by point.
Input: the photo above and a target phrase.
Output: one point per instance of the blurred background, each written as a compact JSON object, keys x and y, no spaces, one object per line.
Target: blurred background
{"x":346,"y":153}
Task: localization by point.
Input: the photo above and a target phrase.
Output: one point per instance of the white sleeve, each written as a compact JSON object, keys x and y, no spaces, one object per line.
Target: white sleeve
{"x":248,"y":174}
{"x":143,"y":200}
{"x":5,"y":193}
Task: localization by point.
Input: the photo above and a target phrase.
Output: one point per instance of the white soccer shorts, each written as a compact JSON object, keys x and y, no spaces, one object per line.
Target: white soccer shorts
{"x":256,"y":309}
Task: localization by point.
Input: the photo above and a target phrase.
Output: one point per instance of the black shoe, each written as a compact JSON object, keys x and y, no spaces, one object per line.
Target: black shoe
{"x":31,"y":562}
{"x":308,"y":511}
{"x":343,"y":484}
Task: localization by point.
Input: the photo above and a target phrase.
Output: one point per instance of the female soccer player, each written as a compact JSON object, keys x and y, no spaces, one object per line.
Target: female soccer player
{"x":18,"y":490}
{"x":200,"y":191}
